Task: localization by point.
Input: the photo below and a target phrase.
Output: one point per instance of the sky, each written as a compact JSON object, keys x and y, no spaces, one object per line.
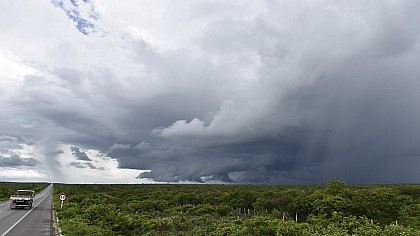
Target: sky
{"x":210,"y":91}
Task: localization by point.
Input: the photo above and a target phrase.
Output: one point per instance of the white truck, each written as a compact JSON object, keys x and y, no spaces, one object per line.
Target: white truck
{"x":23,"y":199}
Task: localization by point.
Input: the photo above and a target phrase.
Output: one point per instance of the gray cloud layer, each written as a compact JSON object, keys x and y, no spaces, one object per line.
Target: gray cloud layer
{"x":83,"y":165}
{"x":295,"y":93}
{"x":79,"y":154}
{"x":16,"y":160}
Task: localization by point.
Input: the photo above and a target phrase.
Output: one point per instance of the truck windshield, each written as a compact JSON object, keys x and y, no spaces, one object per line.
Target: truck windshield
{"x":25,"y":192}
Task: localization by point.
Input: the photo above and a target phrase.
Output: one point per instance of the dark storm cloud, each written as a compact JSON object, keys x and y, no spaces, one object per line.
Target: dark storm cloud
{"x":293,"y":92}
{"x":367,"y":120}
{"x":79,"y":154}
{"x":325,"y":104}
{"x":249,"y":160}
{"x":356,"y":115}
{"x":267,"y":159}
{"x":16,"y":160}
{"x":83,"y":165}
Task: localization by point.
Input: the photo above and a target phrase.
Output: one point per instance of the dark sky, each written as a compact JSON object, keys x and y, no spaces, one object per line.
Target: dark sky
{"x":210,"y":91}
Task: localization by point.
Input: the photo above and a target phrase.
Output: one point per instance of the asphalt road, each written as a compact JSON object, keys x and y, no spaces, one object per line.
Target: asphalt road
{"x":35,"y":222}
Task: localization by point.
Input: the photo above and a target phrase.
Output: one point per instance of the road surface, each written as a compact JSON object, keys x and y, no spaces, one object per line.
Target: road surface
{"x":35,"y":222}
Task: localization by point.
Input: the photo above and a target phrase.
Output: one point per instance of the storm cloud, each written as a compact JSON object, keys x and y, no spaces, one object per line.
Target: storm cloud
{"x":79,"y":154}
{"x":82,"y":165}
{"x":240,"y":91}
{"x":16,"y":160}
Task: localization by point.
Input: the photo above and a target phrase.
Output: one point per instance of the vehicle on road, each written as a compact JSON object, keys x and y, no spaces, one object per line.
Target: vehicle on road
{"x":22,"y":199}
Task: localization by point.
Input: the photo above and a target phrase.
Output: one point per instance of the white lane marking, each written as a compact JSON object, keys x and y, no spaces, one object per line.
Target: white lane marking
{"x":4,"y":234}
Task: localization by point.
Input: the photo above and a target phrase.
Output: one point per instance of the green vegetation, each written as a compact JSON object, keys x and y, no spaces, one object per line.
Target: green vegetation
{"x":332,"y":209}
{"x":10,"y":188}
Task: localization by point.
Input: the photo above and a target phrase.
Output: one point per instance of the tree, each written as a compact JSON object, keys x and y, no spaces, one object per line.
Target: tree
{"x":336,"y":186}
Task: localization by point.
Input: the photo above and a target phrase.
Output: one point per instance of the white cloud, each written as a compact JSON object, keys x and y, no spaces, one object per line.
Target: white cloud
{"x":15,"y":174}
{"x":101,"y":169}
{"x":181,"y":128}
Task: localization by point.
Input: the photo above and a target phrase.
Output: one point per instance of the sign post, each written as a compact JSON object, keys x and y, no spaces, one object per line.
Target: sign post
{"x":62,"y":198}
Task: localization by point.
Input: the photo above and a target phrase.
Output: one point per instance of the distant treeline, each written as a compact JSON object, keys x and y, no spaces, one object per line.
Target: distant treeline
{"x":10,"y":188}
{"x":332,"y":209}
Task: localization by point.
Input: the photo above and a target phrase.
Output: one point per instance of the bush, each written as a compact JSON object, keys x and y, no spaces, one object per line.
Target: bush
{"x":334,"y":209}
